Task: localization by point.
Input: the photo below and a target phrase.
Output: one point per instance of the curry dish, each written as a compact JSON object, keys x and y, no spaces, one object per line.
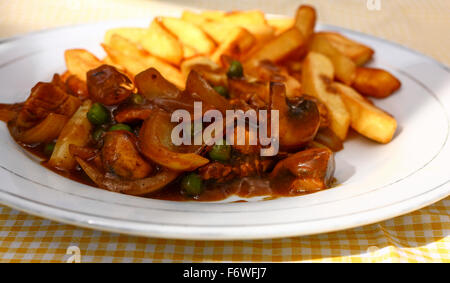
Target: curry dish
{"x":108,"y":123}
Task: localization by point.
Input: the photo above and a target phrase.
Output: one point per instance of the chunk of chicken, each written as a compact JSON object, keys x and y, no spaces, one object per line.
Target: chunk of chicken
{"x":121,"y":157}
{"x":46,"y":98}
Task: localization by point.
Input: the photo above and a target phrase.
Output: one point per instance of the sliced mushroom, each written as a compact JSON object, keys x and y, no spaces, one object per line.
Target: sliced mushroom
{"x":304,"y":172}
{"x":299,"y":119}
{"x":108,"y":86}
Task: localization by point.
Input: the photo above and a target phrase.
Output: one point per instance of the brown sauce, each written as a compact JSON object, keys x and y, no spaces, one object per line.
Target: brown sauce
{"x":245,"y":187}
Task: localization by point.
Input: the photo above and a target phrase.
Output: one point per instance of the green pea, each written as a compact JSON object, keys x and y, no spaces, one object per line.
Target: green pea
{"x":97,"y":134}
{"x":220,"y":152}
{"x":98,"y":114}
{"x":137,"y":99}
{"x":192,"y":184}
{"x":120,"y":127}
{"x":48,"y":148}
{"x":221,"y":90}
{"x":235,"y":70}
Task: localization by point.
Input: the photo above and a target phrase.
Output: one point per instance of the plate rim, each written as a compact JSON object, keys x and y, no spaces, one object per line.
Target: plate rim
{"x":195,"y":235}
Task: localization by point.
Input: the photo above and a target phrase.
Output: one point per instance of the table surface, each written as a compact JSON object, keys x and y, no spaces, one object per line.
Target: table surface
{"x":423,"y":235}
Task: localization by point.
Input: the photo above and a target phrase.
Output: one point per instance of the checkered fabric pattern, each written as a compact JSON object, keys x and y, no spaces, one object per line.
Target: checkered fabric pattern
{"x":421,"y":236}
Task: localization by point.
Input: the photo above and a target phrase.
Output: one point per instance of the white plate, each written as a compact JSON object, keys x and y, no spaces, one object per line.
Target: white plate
{"x":377,"y":182}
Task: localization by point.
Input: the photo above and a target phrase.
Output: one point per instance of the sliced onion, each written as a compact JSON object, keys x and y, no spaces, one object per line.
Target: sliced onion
{"x":155,"y":141}
{"x":46,"y":131}
{"x":130,"y":115}
{"x":129,"y":187}
{"x":199,"y":87}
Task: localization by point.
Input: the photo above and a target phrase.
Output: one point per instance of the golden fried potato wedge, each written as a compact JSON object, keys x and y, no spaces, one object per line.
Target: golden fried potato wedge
{"x":262,"y":33}
{"x":80,"y":61}
{"x":345,"y":68}
{"x":162,"y":44}
{"x":281,"y":24}
{"x":375,"y":82}
{"x":218,"y":26}
{"x":189,"y":52}
{"x":366,"y":118}
{"x":108,"y":61}
{"x":213,"y":15}
{"x":126,"y":46}
{"x":253,"y":21}
{"x":238,"y":43}
{"x":305,"y":20}
{"x":130,"y":33}
{"x":189,"y":35}
{"x":193,"y":17}
{"x":138,"y":63}
{"x":218,"y":31}
{"x":278,"y":48}
{"x":243,"y":18}
{"x":317,"y":75}
{"x":358,"y":52}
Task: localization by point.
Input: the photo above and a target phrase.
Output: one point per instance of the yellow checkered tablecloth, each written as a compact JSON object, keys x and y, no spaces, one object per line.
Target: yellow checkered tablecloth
{"x":421,"y":236}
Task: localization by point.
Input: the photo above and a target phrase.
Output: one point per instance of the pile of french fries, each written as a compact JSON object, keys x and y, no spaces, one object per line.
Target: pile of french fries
{"x":327,"y":65}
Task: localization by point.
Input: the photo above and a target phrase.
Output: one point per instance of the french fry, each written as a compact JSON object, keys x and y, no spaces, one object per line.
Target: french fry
{"x":359,"y":53}
{"x":131,"y":34}
{"x":189,"y":35}
{"x":189,"y":52}
{"x":80,"y":61}
{"x":305,"y":20}
{"x":262,"y":33}
{"x":317,"y":75}
{"x":218,"y":31}
{"x":375,"y":82}
{"x":253,"y":21}
{"x":108,"y":61}
{"x":367,"y":119}
{"x":213,"y":15}
{"x":162,"y":44}
{"x":345,"y":68}
{"x":194,"y":18}
{"x":138,"y":63}
{"x":239,"y":41}
{"x":243,"y":18}
{"x":218,"y":26}
{"x":281,"y":24}
{"x":127,"y":47}
{"x":278,"y":48}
